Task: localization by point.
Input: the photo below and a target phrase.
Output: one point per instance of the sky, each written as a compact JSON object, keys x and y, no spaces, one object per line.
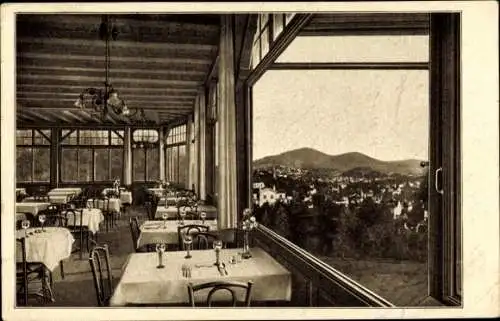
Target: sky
{"x":383,"y":114}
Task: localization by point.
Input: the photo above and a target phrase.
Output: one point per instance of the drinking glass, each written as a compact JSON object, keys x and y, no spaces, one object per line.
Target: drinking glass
{"x":188,"y":240}
{"x":164,"y":216}
{"x":203,"y":216}
{"x":183,"y":216}
{"x":217,"y":247}
{"x":25,"y":224}
{"x":160,"y":248}
{"x":42,"y":219}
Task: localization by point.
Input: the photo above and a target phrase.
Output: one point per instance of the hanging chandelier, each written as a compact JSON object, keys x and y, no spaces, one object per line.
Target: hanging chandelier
{"x":103,"y":100}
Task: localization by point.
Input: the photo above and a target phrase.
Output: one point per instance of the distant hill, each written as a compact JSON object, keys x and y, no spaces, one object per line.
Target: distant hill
{"x":350,"y":163}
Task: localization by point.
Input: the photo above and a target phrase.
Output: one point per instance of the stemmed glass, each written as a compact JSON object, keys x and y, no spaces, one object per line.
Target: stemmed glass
{"x":164,"y":216}
{"x":203,"y":216}
{"x":183,"y":216}
{"x":188,"y":240}
{"x":25,"y":224}
{"x":42,"y":219}
{"x":160,"y":248}
{"x":217,"y":247}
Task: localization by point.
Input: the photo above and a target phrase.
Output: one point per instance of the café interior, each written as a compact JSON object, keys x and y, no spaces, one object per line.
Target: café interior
{"x":134,"y":158}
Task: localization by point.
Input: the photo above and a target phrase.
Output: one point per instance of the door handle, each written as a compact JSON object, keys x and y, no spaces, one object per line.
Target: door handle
{"x":436,"y":180}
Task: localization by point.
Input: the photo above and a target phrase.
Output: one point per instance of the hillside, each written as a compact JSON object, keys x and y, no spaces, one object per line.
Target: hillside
{"x":352,"y":163}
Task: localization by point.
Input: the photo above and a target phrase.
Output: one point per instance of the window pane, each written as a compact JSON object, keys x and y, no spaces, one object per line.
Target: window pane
{"x":277,"y":25}
{"x":145,"y":135}
{"x":357,"y":49}
{"x":177,"y":134}
{"x":41,"y":157}
{"x":183,"y":166}
{"x":85,"y":173}
{"x":24,"y":137}
{"x":116,"y":155}
{"x":101,"y":163}
{"x":117,"y":139}
{"x":40,"y":139}
{"x":24,"y":163}
{"x":264,"y":42}
{"x":356,"y":195}
{"x":71,"y":139}
{"x":153,"y":169}
{"x":139,"y":164}
{"x":288,"y":17}
{"x":69,"y":169}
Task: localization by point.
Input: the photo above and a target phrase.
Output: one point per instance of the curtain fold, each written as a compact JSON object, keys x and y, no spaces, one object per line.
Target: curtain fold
{"x":227,"y":193}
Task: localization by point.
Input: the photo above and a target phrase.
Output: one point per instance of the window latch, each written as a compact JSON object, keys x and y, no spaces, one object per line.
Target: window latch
{"x":437,"y":177}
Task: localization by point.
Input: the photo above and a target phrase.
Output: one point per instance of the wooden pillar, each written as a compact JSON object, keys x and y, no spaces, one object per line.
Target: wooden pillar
{"x":54,"y":157}
{"x":161,"y":152}
{"x":190,"y":151}
{"x":202,"y":125}
{"x":227,"y":188}
{"x":127,"y":156}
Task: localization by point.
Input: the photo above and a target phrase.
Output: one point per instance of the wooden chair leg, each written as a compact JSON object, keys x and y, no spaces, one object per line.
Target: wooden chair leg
{"x":61,"y":266}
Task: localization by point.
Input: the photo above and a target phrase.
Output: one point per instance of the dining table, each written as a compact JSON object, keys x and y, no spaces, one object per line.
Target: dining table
{"x":172,"y":211}
{"x":125,"y":196}
{"x":114,"y":204}
{"x":143,"y":283}
{"x":91,"y":218}
{"x":152,"y":232}
{"x":31,"y":207}
{"x":65,"y":191}
{"x":48,"y":246}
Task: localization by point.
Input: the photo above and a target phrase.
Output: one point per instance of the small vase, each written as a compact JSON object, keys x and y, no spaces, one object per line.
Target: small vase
{"x":246,"y":245}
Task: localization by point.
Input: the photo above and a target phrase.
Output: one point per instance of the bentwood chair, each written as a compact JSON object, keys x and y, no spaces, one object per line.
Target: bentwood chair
{"x":203,"y":240}
{"x":221,"y":286}
{"x":74,"y":219}
{"x":103,"y":276}
{"x":26,"y":273}
{"x":189,"y":229}
{"x":135,"y":232}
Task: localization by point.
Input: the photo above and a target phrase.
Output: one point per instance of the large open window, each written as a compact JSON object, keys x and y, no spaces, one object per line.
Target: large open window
{"x":145,"y":155}
{"x":33,"y":155}
{"x":343,"y":134}
{"x":91,"y":155}
{"x":176,"y":165}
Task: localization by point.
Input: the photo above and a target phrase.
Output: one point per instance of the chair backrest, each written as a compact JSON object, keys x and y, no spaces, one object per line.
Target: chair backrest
{"x":134,"y":231}
{"x":103,"y":282}
{"x":221,"y":286}
{"x":74,"y":218}
{"x":203,"y":240}
{"x":189,"y":229}
{"x":22,"y":267}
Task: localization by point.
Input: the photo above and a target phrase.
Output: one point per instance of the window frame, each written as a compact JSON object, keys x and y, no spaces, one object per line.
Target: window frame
{"x":109,"y":146}
{"x":176,"y":137}
{"x":444,"y":43}
{"x":144,"y":147}
{"x":33,"y":146}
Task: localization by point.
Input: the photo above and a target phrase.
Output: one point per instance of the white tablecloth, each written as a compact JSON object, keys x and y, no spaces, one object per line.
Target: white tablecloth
{"x":31,"y":207}
{"x":48,"y":247}
{"x":21,"y":191}
{"x":114,"y":204}
{"x":65,"y":191}
{"x":153,"y":232}
{"x":143,"y":283}
{"x":157,"y":191}
{"x":125,"y":196}
{"x":59,"y":199}
{"x":91,"y":218}
{"x":172,"y":211}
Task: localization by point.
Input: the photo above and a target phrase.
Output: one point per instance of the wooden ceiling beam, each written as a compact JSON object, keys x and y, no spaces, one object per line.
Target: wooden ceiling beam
{"x":95,"y":81}
{"x":54,"y":68}
{"x":113,"y":74}
{"x":65,"y":88}
{"x":56,"y":95}
{"x":131,"y":102}
{"x":117,"y":60}
{"x":31,"y":42}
